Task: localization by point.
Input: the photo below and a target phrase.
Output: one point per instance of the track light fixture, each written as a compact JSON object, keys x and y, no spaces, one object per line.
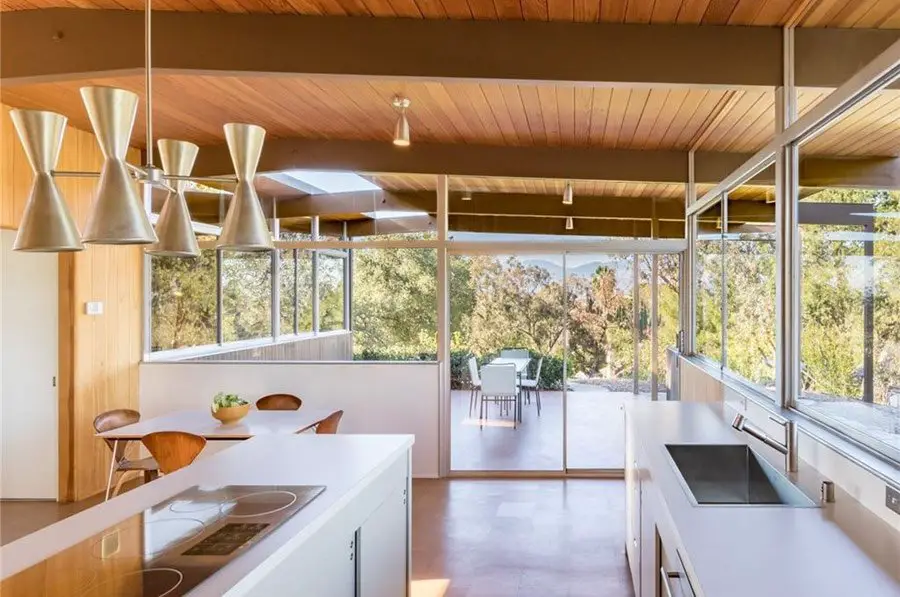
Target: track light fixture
{"x":570,"y":223}
{"x":568,"y":194}
{"x":401,"y":129}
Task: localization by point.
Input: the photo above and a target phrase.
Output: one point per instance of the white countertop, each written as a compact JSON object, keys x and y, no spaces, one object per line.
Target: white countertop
{"x":751,"y":551}
{"x":345,"y":464}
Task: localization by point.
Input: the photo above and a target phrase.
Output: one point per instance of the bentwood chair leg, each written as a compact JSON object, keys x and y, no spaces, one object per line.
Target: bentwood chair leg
{"x":112,"y":468}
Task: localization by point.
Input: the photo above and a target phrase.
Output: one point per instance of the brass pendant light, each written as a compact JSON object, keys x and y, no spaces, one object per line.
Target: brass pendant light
{"x":245,"y":226}
{"x":118,"y":216}
{"x":174,"y":229}
{"x":47,"y":225}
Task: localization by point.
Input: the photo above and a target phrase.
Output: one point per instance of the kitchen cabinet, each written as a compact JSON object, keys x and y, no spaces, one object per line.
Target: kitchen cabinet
{"x":384,"y":548}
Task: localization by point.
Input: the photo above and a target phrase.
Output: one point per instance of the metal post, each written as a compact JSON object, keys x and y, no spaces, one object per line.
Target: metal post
{"x":348,"y":283}
{"x":635,"y":324}
{"x":219,"y":335}
{"x":296,"y":256}
{"x":654,"y":309}
{"x":869,"y":317}
{"x":314,"y":229}
{"x":147,"y":285}
{"x":565,"y":409}
{"x":688,"y":267}
{"x":443,"y":323}
{"x":724,"y":290}
{"x":275,"y":311}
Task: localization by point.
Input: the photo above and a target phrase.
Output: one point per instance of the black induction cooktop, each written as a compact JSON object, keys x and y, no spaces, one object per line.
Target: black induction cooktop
{"x":170,"y":548}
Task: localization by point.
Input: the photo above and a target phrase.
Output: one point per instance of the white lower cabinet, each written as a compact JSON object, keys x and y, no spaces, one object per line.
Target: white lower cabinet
{"x":384,"y":548}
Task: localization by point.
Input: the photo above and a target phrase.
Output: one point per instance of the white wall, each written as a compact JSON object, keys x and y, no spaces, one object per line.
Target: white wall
{"x":375,"y":397}
{"x":29,"y":335}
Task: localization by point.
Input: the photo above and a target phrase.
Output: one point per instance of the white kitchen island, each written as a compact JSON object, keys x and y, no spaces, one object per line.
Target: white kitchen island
{"x":353,"y":539}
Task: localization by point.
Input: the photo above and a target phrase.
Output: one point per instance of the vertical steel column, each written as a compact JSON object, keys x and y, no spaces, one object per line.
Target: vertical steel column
{"x":565,"y":409}
{"x":296,"y":257}
{"x":787,"y":240}
{"x":636,"y":324}
{"x":723,"y":227}
{"x":314,"y":229}
{"x":654,"y":308}
{"x":869,"y":317}
{"x":443,"y":323}
{"x":348,"y":283}
{"x":688,"y":269}
{"x":275,"y":275}
{"x":219,"y":310}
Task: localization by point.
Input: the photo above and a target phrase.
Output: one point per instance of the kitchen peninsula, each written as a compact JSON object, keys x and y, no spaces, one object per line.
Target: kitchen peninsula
{"x":329,"y":514}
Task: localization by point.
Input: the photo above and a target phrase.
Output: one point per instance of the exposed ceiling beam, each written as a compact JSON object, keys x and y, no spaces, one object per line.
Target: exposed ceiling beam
{"x":627,"y":165}
{"x":49,"y":43}
{"x":494,"y":204}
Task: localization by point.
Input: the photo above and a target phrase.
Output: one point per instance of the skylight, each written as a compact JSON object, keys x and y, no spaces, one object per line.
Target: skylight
{"x":317,"y":182}
{"x":393,"y":215}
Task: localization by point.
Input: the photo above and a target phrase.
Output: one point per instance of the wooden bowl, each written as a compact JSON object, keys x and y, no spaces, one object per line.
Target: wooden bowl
{"x":231,"y":414}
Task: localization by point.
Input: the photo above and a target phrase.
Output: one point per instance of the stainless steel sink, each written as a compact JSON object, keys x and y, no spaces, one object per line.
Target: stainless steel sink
{"x":733,"y":474}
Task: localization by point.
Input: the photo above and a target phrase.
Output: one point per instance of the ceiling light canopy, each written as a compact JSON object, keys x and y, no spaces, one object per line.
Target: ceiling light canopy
{"x":173,"y":227}
{"x":401,"y":128}
{"x":245,"y":226}
{"x":47,"y":225}
{"x":568,"y":194}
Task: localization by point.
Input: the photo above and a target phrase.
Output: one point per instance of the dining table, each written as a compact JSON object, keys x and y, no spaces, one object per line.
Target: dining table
{"x":521,"y":364}
{"x":201,"y":422}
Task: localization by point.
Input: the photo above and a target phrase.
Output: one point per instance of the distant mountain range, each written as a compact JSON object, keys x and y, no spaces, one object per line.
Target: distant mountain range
{"x":623,"y":269}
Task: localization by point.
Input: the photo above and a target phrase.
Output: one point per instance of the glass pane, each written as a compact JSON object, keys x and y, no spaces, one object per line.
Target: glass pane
{"x":750,"y":285}
{"x":288,"y":289}
{"x":246,"y":295}
{"x":304,"y":291}
{"x":183,"y":301}
{"x":331,"y":292}
{"x":669,"y":313}
{"x":396,"y":321}
{"x":601,"y":358}
{"x":708,"y":284}
{"x":501,"y":304}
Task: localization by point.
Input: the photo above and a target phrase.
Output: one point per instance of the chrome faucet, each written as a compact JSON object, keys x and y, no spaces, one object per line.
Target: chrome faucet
{"x":788,"y":448}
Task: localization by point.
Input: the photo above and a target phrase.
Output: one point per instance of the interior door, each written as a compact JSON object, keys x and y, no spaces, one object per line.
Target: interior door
{"x":28,"y":350}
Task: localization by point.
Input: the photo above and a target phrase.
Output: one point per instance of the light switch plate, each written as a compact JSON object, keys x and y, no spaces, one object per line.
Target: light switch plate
{"x":93,"y":308}
{"x":892,"y":499}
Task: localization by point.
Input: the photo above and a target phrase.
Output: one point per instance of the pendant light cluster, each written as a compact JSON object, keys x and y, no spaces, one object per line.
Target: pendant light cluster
{"x":401,"y":128}
{"x":118,"y":215}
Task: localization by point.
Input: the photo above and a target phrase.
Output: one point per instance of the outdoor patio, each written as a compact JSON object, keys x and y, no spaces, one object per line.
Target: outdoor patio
{"x":595,"y":433}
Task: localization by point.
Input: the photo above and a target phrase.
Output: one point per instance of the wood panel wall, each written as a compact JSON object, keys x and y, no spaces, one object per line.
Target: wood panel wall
{"x":98,"y":355}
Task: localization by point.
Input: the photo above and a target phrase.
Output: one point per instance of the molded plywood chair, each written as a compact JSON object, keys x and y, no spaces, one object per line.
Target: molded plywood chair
{"x":499,"y":383}
{"x":113,"y":419}
{"x":330,"y":423}
{"x":279,"y":402}
{"x":173,"y":450}
{"x":474,"y":383}
{"x":514,"y":353}
{"x":529,"y":385}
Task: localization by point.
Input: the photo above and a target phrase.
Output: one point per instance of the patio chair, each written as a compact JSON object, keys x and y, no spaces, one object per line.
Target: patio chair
{"x":499,"y":384}
{"x":529,"y":385}
{"x":474,"y":383}
{"x":514,"y":353}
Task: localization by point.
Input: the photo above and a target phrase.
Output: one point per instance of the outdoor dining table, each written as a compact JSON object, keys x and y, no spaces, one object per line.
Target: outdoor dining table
{"x":521,"y":368}
{"x":201,"y":422}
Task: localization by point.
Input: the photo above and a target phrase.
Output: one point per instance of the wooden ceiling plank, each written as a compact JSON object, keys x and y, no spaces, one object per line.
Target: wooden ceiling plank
{"x":472,"y":103}
{"x":457,"y":9}
{"x":587,"y":11}
{"x":438,"y":92}
{"x":599,"y":114}
{"x":509,"y":9}
{"x":639,"y":11}
{"x":516,"y":108}
{"x":584,"y":99}
{"x":431,"y":9}
{"x":404,"y":9}
{"x":510,"y":130}
{"x":532,"y":105}
{"x":675,"y":129}
{"x":665,"y":12}
{"x":612,"y":11}
{"x":855,"y":125}
{"x":635,"y":133}
{"x":535,"y":10}
{"x":618,"y":103}
{"x":670,"y":121}
{"x":692,"y":12}
{"x":565,"y":101}
{"x":561,"y":10}
{"x":483,"y":9}
{"x":549,"y":113}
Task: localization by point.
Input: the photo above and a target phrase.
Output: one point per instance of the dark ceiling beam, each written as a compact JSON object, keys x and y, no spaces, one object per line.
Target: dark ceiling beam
{"x":580,"y":163}
{"x":50,"y":43}
{"x":500,"y":204}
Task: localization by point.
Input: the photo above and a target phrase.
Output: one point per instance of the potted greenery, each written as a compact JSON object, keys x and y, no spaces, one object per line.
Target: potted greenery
{"x":229,"y":408}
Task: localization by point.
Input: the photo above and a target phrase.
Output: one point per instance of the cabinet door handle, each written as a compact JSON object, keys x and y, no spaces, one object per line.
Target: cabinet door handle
{"x":665,"y":580}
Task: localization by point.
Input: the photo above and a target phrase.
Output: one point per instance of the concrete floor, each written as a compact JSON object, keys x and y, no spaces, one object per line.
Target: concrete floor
{"x":596,"y":428}
{"x":519,"y":538}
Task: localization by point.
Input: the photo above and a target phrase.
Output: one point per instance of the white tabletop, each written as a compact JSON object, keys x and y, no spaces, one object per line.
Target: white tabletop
{"x":521,"y":364}
{"x":201,"y":422}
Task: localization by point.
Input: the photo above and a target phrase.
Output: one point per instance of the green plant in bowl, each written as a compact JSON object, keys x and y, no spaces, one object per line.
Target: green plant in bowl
{"x":229,"y":408}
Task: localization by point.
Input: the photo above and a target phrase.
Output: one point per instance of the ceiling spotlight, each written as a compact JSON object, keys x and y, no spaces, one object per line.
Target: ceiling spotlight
{"x":568,"y":194}
{"x":570,"y":223}
{"x":401,"y":129}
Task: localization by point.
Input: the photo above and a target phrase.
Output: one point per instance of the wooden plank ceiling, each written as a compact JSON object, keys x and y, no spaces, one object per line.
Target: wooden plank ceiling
{"x":808,"y":13}
{"x":194,"y":108}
